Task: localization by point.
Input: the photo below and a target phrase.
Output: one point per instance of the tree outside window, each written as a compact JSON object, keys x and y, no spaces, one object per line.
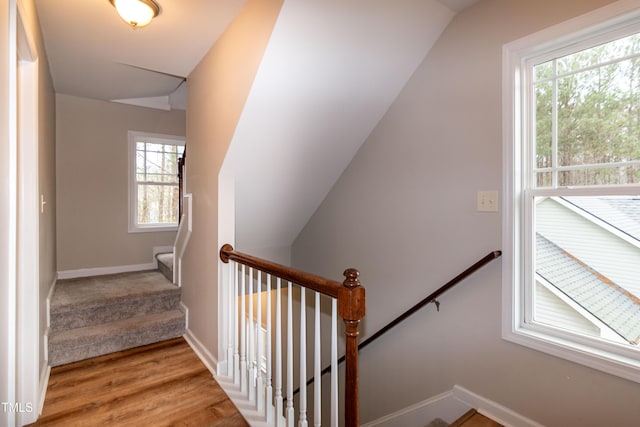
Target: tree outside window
{"x":154,"y":187}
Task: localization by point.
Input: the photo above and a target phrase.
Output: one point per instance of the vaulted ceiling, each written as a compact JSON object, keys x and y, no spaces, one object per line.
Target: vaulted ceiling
{"x":330,"y":72}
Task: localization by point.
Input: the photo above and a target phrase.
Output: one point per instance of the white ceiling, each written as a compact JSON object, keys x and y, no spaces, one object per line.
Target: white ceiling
{"x":94,"y":54}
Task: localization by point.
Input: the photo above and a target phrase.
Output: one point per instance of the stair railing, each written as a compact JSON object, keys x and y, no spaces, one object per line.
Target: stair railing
{"x":431,"y":298}
{"x":249,"y":358}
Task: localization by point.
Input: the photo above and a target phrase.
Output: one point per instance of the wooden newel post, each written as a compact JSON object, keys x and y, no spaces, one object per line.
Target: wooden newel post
{"x":351,"y":307}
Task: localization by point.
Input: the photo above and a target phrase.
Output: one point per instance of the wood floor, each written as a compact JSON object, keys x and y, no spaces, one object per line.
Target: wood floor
{"x":163,"y":384}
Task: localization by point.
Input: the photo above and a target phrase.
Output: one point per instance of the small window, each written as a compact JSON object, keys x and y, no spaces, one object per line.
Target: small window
{"x":153,"y":181}
{"x":572,"y":179}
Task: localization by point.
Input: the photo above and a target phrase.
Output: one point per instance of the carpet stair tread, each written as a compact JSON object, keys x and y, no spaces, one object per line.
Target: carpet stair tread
{"x":82,"y":343}
{"x":93,"y":316}
{"x":87,"y":292}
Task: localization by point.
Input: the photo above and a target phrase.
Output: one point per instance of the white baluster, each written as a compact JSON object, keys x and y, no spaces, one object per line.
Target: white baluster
{"x":230,"y":316}
{"x":268,"y":386}
{"x":278,"y":390}
{"x":251,"y":335}
{"x":259,"y":378}
{"x":243,"y":335}
{"x":317,"y":378}
{"x":334,"y":362}
{"x":302,"y":420}
{"x":290,"y":412}
{"x":236,"y":338}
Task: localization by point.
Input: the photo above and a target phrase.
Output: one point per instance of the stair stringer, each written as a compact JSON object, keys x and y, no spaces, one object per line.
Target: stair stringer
{"x":247,"y":408}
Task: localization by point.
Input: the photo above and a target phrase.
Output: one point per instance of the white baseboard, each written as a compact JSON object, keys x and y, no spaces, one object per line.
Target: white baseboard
{"x":444,"y":406}
{"x":44,"y":384}
{"x":45,"y":338}
{"x":52,"y":288}
{"x":493,"y":410}
{"x":449,"y":406}
{"x":201,"y":351}
{"x":101,"y":271}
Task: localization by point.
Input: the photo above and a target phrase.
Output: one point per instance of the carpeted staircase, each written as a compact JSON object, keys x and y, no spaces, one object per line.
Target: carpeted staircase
{"x":165,"y":264}
{"x":93,"y":316}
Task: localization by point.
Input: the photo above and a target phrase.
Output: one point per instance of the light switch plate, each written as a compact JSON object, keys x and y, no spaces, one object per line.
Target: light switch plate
{"x":487,"y":201}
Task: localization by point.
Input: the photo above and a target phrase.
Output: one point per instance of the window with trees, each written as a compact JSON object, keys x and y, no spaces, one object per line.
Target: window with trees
{"x":572,"y":191}
{"x":153,"y":183}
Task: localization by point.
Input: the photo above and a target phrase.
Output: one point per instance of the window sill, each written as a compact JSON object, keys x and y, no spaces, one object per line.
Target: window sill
{"x":153,"y":229}
{"x":627,"y":367}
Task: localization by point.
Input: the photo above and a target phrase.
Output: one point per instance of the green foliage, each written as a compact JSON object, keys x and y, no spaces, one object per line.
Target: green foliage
{"x":593,"y":97}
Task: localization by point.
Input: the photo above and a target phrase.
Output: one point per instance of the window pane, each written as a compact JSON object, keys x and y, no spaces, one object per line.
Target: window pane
{"x":158,"y":166}
{"x":587,"y":274}
{"x":157,"y":204}
{"x":620,"y":175}
{"x":544,"y":121}
{"x":597,"y":117}
{"x":544,"y":71}
{"x":616,"y":49}
{"x":544,"y":179}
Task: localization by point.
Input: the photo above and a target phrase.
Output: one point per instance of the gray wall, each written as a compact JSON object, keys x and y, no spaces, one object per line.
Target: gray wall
{"x":404,"y":213}
{"x":46,"y":176}
{"x":216,"y":94}
{"x":92,"y":182}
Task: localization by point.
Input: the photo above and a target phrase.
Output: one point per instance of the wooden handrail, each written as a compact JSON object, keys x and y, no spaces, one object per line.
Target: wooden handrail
{"x":351,"y":307}
{"x":320,"y":284}
{"x":429,"y":299}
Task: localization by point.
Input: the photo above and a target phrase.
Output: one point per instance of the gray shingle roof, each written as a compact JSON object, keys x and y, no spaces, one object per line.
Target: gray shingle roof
{"x":588,"y":288}
{"x":622,"y":213}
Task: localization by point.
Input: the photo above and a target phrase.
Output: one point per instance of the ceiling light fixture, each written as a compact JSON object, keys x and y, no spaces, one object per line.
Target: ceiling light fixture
{"x":136,"y":13}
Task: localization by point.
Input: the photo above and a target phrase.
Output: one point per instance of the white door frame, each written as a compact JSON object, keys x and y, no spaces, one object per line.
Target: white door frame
{"x":28,"y":238}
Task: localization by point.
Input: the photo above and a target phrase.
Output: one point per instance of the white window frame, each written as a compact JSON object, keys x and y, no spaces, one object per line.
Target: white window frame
{"x":612,"y":358}
{"x":135,"y":136}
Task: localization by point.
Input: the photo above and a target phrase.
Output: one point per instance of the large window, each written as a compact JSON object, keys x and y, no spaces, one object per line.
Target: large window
{"x":153,"y":181}
{"x":572,"y":186}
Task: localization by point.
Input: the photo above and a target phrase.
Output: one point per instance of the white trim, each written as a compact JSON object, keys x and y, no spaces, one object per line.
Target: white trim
{"x":48,"y":314}
{"x":444,"y":406}
{"x":226,"y":234}
{"x":201,"y":351}
{"x":493,"y":410}
{"x":185,"y":309}
{"x":449,"y":406}
{"x":45,"y":374}
{"x":101,"y":271}
{"x":182,"y":237}
{"x":28,"y":235}
{"x":247,"y":408}
{"x":610,"y":358}
{"x":12,"y":218}
{"x":44,"y":384}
